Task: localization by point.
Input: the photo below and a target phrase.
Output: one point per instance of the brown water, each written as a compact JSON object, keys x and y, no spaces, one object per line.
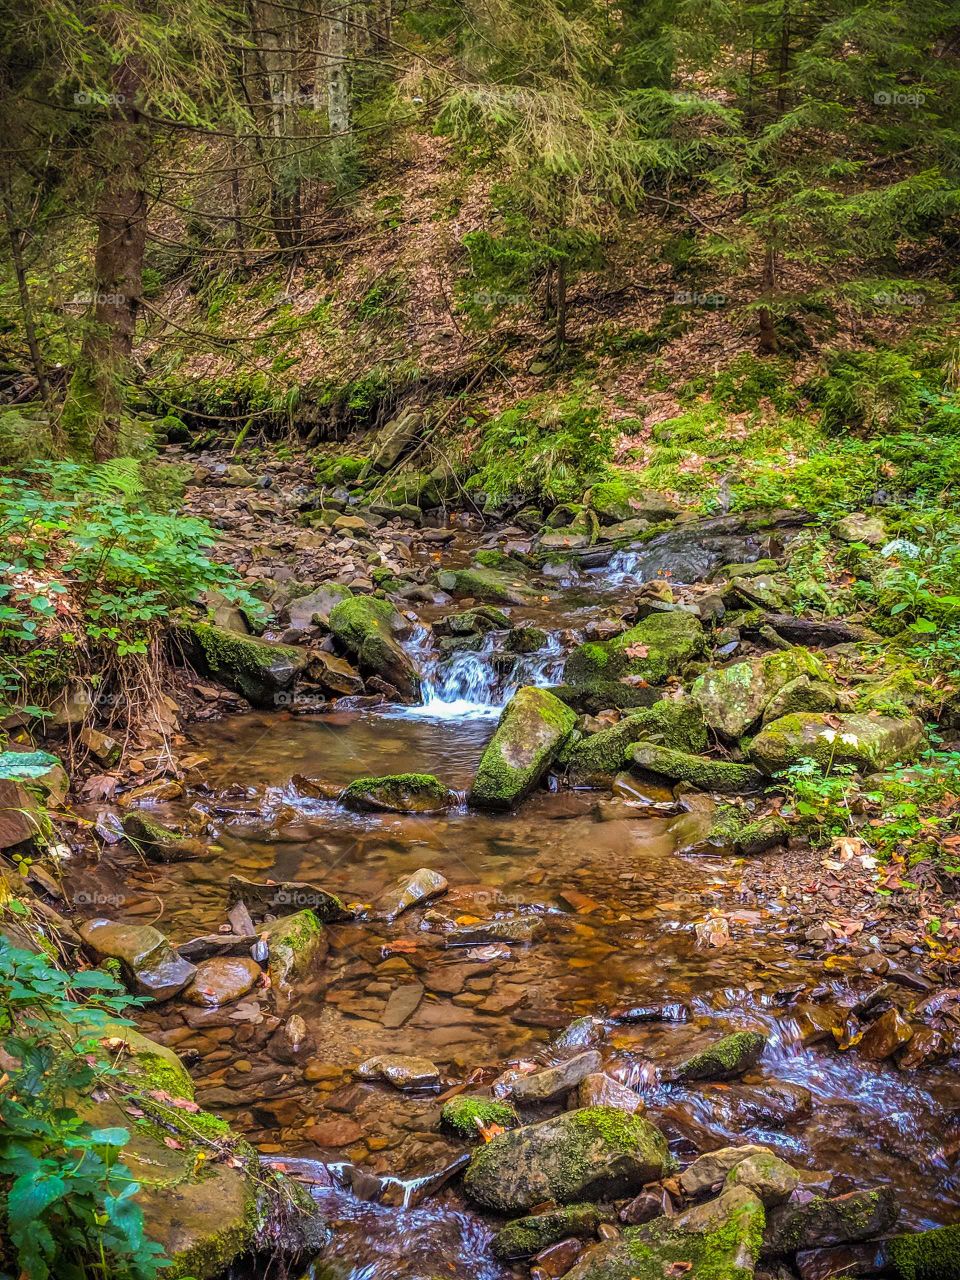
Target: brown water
{"x":634,"y":943}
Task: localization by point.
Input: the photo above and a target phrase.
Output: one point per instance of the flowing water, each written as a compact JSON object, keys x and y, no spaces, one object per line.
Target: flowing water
{"x":620,"y":907}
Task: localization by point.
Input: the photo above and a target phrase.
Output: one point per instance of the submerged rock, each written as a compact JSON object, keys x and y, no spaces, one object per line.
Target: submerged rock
{"x":150,"y":964}
{"x":719,"y":1240}
{"x":727,"y":1058}
{"x":733,"y":698}
{"x":158,"y":842}
{"x":672,"y":722}
{"x":579,"y":1155}
{"x":410,"y":892}
{"x":262,"y":671}
{"x":511,"y":929}
{"x":865,"y":741}
{"x":369,"y":629}
{"x":403,"y":1071}
{"x":533,"y":728}
{"x":544,"y":1086}
{"x":702,"y":773}
{"x":398,"y":793}
{"x":600,"y":1090}
{"x":659,"y":646}
{"x":285,"y":897}
{"x":732,"y":830}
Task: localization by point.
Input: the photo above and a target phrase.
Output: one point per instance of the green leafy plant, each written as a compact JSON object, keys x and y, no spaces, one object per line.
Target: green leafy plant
{"x":68,"y":1200}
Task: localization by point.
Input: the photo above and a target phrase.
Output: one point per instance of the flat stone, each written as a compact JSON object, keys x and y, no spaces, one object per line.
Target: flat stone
{"x":411,"y":890}
{"x":403,"y":1002}
{"x":401,"y":1070}
{"x":543,"y":1086}
{"x":222,"y":980}
{"x":149,"y":962}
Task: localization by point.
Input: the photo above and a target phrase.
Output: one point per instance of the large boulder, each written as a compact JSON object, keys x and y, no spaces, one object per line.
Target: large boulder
{"x":578,"y":1155}
{"x":659,"y":646}
{"x":150,"y":965}
{"x":719,"y":1240}
{"x":29,"y":781}
{"x":868,"y":742}
{"x":680,"y":766}
{"x":315,"y":607}
{"x":394,"y":438}
{"x":924,"y":1255}
{"x":821,"y":1221}
{"x":532,"y":730}
{"x":262,"y":671}
{"x":370,"y":629}
{"x":733,"y":698}
{"x":398,"y":793}
{"x":671,"y":722}
{"x":618,"y":499}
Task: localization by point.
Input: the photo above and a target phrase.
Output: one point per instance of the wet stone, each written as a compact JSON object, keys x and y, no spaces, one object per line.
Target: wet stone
{"x":222,"y":980}
{"x":402,"y":1004}
{"x":401,"y":1070}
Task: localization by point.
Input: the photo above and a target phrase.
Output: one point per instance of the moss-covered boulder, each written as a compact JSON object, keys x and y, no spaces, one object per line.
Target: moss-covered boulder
{"x":524,"y":1237}
{"x":863,"y":740}
{"x":370,"y":630}
{"x":681,"y":766}
{"x":659,"y":646}
{"x":620,"y":498}
{"x":262,"y":671}
{"x":398,"y":793}
{"x":296,"y":945}
{"x":533,"y":728}
{"x":158,"y":842}
{"x":719,"y":1240}
{"x":492,"y":586}
{"x":733,"y":698}
{"x":734,"y":830}
{"x":725,"y":1060}
{"x":579,"y":1155}
{"x":802,"y":694}
{"x":314,"y":608}
{"x":472,"y":622}
{"x":924,"y":1255}
{"x":466,"y":1114}
{"x":672,"y":722}
{"x":823,"y":1221}
{"x":29,"y":781}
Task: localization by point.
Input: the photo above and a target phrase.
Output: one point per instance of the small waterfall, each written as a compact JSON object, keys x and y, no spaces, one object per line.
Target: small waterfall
{"x":478,"y":682}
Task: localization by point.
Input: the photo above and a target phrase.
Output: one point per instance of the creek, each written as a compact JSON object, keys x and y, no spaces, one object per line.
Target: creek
{"x":620,"y":908}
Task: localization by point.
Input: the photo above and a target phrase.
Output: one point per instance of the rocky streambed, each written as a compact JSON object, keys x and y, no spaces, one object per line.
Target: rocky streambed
{"x":460,"y":925}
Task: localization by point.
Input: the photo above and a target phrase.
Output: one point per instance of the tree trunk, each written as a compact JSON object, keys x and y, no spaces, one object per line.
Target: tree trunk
{"x":769,"y":342}
{"x":95,"y":399}
{"x":338,"y":87}
{"x":26,"y":303}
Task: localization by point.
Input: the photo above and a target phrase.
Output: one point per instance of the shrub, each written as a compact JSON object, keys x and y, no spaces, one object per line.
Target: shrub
{"x":869,"y":391}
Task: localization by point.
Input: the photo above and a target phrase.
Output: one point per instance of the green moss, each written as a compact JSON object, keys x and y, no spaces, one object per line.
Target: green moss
{"x":532,"y":729}
{"x":727,"y":1252}
{"x":677,"y":723}
{"x":398,"y":793}
{"x":494,"y":586}
{"x":731,"y":1056}
{"x":259,"y":669}
{"x":463,"y":1114}
{"x":342,"y":470}
{"x":706,"y":775}
{"x":926,"y":1255}
{"x":524,"y":1237}
{"x":658,"y":646}
{"x":733,"y":830}
{"x":294,"y":942}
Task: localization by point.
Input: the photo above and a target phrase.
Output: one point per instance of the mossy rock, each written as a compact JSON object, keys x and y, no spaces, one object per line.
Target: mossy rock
{"x":659,"y":646}
{"x":595,"y":696}
{"x":733,"y":698}
{"x":672,"y":722}
{"x":492,"y":586}
{"x":368,"y":629}
{"x":398,"y":793}
{"x":802,"y":694}
{"x":158,"y":842}
{"x":314,"y":608}
{"x":472,"y":622}
{"x":719,"y":1240}
{"x":296,"y":945}
{"x":752,"y":569}
{"x":719,"y":776}
{"x":725,"y":1060}
{"x":524,"y":1237}
{"x":531,"y":731}
{"x":466,"y":1112}
{"x":342,"y":470}
{"x":579,"y":1155}
{"x":262,"y":671}
{"x":825,"y":1221}
{"x":925,"y":1255}
{"x":620,"y":498}
{"x":866,"y":741}
{"x":525,"y":640}
{"x":735,"y":831}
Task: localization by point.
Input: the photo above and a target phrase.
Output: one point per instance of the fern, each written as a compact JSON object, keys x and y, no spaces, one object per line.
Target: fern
{"x":119,"y":476}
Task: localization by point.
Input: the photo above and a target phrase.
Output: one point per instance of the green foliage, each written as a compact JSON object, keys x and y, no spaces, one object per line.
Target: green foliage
{"x":543,"y":450}
{"x":68,"y":1199}
{"x":90,"y":571}
{"x":869,"y":392}
{"x":904,"y":812}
